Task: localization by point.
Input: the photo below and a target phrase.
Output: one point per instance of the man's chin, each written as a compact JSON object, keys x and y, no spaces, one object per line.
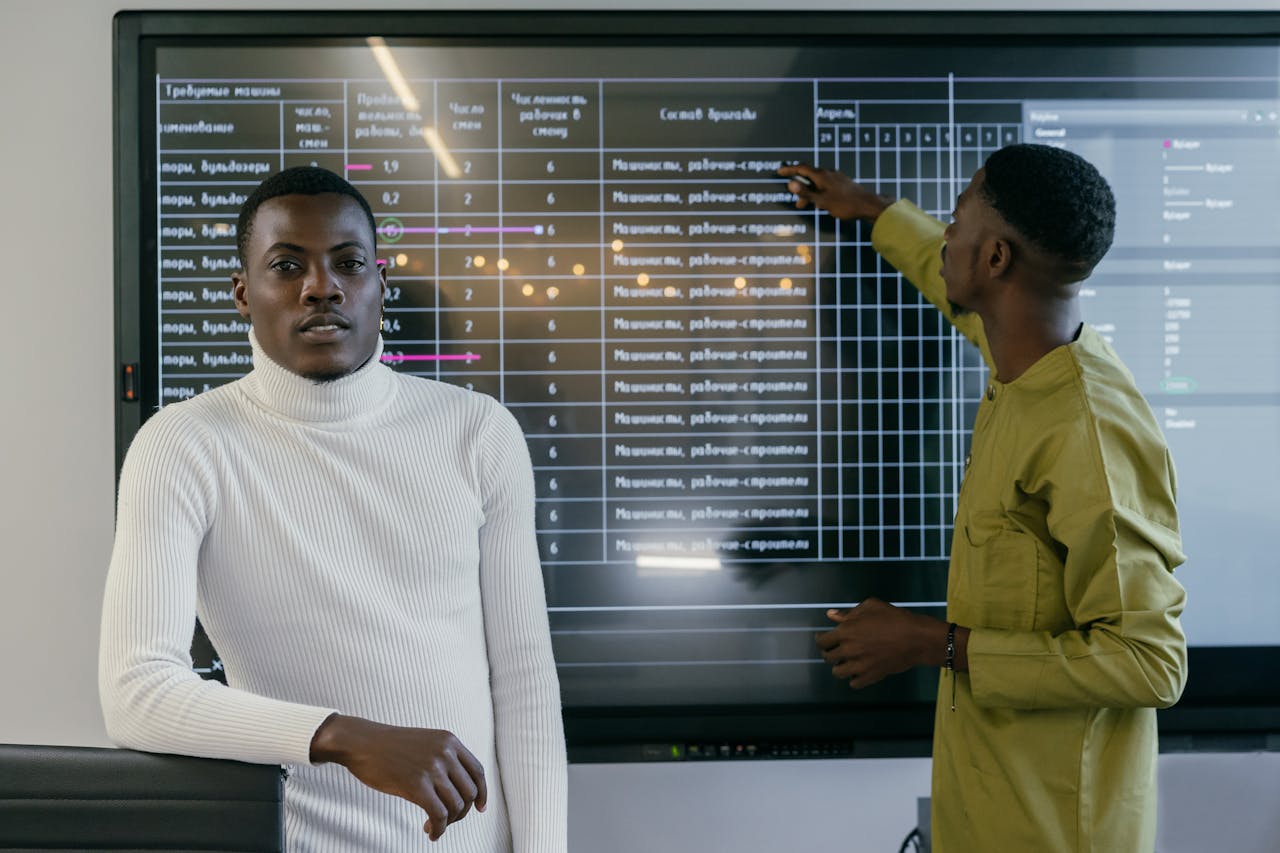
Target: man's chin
{"x":324,"y":373}
{"x":334,"y":369}
{"x":323,"y":377}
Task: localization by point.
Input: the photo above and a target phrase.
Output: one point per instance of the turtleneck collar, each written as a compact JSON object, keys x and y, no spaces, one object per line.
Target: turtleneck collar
{"x":355,"y":396}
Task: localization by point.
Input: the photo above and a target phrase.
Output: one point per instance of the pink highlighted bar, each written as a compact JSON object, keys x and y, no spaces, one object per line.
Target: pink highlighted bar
{"x":359,"y":167}
{"x":531,"y":229}
{"x":467,"y":357}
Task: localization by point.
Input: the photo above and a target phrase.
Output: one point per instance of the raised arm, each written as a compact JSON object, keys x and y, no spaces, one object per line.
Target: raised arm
{"x":906,"y":236}
{"x":834,"y":192}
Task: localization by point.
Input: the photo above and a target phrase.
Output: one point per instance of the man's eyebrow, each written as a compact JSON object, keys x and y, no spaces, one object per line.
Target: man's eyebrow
{"x":294,"y":247}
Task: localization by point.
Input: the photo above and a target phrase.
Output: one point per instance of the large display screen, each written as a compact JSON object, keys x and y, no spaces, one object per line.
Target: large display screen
{"x":738,"y":415}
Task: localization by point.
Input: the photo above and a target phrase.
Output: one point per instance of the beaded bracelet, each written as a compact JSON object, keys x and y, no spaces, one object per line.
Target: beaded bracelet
{"x":951,"y":660}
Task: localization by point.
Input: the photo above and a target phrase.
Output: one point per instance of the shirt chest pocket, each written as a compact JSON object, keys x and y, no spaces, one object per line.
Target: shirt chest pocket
{"x":999,"y":571}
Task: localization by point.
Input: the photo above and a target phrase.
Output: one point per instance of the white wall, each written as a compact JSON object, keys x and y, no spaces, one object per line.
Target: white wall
{"x":56,"y":495}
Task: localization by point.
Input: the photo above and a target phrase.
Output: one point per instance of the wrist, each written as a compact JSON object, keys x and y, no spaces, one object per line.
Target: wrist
{"x":961,"y":663}
{"x":878,"y":206}
{"x":332,"y":740}
{"x":933,"y":642}
{"x":865,"y":208}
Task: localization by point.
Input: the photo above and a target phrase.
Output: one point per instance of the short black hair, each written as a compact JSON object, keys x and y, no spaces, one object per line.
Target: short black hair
{"x":1055,"y":199}
{"x":299,"y":180}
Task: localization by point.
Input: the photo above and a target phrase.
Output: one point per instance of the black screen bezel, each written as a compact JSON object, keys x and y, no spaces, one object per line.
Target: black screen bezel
{"x":1230,"y":700}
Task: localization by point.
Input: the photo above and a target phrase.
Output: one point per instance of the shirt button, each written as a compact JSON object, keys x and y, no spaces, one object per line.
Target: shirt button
{"x":991,"y":392}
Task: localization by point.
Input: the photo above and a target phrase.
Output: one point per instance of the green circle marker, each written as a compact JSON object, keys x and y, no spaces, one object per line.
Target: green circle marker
{"x":391,"y":229}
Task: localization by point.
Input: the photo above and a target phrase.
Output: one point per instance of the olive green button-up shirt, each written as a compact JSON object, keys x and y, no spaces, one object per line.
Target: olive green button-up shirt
{"x":1062,"y":559}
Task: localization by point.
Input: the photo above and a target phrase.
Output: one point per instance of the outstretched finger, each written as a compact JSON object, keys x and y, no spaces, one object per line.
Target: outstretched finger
{"x":805,"y":170}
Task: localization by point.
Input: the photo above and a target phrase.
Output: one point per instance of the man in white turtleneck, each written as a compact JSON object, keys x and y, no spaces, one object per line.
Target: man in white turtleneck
{"x":359,"y":546}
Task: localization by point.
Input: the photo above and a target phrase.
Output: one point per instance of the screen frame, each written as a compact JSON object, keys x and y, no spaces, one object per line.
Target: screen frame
{"x":1230,"y":701}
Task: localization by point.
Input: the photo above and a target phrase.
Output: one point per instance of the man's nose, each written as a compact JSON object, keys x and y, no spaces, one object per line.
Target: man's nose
{"x":322,"y":285}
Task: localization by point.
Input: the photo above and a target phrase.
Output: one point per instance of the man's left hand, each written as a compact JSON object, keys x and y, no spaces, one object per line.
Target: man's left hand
{"x":876,"y":639}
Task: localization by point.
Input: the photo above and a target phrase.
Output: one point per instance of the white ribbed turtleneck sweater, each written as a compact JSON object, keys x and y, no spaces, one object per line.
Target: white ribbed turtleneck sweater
{"x":363,"y":546}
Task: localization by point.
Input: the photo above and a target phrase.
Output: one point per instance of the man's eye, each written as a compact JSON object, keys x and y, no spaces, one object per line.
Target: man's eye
{"x":351,"y":265}
{"x":285,"y":265}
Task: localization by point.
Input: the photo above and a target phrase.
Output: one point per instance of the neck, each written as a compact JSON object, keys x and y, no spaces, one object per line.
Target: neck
{"x":1025,"y":331}
{"x":346,"y":399}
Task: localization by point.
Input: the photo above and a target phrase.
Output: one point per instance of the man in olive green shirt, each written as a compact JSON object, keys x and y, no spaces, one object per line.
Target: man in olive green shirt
{"x":1062,"y":634}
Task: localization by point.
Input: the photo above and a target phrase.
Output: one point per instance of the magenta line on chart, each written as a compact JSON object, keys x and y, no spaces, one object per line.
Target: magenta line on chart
{"x":359,"y":167}
{"x":466,"y":357}
{"x":531,"y":229}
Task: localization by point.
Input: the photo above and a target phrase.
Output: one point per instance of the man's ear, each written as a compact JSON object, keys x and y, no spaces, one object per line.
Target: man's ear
{"x":999,"y":257}
{"x":239,"y":287}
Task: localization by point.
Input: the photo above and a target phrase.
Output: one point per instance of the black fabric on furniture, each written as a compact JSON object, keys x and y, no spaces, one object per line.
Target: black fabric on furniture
{"x":80,"y":798}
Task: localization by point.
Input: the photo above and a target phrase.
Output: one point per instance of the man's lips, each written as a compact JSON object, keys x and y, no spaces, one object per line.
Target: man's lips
{"x":324,"y":323}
